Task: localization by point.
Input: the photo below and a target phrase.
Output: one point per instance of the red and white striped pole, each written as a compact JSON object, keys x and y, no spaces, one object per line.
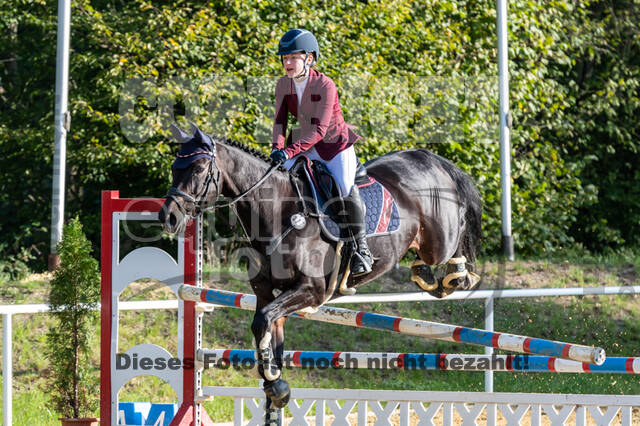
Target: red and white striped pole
{"x":245,"y":359}
{"x":412,"y":327}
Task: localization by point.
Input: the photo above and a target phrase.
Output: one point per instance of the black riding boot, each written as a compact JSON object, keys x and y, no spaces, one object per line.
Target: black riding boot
{"x":362,"y":259}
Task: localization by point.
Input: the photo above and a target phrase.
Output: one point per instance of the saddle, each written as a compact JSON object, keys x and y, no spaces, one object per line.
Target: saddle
{"x":382,"y":215}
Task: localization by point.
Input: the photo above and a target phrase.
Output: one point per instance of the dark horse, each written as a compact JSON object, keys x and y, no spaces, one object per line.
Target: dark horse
{"x":438,"y":204}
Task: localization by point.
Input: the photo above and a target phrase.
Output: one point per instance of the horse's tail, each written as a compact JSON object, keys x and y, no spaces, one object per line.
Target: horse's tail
{"x":470,"y":197}
{"x":473,"y":217}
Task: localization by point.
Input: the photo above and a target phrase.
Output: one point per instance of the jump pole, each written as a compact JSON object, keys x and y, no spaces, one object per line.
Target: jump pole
{"x":244,"y":359}
{"x":412,"y":327}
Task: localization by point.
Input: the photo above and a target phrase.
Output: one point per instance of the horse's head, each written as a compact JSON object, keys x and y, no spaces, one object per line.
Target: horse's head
{"x":196,"y":180}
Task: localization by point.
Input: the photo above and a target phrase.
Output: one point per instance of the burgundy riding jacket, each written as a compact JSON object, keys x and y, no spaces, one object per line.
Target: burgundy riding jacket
{"x":319,"y":116}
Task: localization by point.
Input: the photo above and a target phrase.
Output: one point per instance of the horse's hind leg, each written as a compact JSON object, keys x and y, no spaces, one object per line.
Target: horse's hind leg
{"x":422,"y":275}
{"x":459,"y":275}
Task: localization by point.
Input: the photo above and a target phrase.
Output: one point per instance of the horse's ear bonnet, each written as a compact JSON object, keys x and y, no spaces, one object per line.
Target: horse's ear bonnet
{"x":199,"y":145}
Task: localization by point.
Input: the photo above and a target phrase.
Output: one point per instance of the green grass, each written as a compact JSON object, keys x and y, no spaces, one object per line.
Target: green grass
{"x":608,"y":322}
{"x":33,"y":408}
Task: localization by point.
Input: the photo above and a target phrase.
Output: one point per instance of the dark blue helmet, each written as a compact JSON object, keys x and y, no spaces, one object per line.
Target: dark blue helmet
{"x":298,"y":40}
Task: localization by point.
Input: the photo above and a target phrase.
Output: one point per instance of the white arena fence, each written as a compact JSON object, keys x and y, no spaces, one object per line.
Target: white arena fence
{"x":339,"y":406}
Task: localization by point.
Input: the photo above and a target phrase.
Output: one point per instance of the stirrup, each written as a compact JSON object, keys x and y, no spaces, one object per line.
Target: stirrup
{"x":360,"y":256}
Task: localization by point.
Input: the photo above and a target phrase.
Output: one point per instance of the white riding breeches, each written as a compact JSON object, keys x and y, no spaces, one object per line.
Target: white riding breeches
{"x":342,"y":166}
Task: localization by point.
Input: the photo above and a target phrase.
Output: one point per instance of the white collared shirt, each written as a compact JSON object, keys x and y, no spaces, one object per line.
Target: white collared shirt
{"x":300,"y":88}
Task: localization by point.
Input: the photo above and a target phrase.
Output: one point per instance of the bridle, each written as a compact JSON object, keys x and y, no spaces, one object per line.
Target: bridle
{"x":200,"y":207}
{"x":200,"y":204}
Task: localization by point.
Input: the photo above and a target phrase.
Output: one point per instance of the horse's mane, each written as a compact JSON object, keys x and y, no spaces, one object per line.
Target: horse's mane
{"x":256,"y":153}
{"x":245,"y":148}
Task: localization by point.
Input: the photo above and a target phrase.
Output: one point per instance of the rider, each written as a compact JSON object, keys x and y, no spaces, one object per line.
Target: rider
{"x":312,"y":98}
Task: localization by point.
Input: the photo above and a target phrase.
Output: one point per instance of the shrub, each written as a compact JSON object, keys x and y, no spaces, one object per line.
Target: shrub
{"x":74,"y":295}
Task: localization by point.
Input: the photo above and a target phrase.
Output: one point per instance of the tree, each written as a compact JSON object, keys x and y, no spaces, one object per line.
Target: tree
{"x":74,"y":296}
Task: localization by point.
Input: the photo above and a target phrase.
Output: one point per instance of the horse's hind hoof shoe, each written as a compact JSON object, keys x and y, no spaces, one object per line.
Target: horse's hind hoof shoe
{"x":279,"y":392}
{"x":472,"y":280}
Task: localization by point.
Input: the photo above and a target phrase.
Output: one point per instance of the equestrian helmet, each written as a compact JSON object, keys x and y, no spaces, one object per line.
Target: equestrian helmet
{"x":299,"y":40}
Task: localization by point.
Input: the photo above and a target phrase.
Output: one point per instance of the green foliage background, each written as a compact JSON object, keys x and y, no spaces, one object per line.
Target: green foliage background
{"x":410,"y":73}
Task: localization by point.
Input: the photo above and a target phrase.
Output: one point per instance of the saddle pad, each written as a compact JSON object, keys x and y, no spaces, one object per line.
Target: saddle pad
{"x":381,"y":211}
{"x":382,"y":215}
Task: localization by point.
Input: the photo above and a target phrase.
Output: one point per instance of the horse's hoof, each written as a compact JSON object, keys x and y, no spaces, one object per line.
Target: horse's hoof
{"x":457,"y":274}
{"x":272,"y":417}
{"x":472,"y":280}
{"x":279,"y":392}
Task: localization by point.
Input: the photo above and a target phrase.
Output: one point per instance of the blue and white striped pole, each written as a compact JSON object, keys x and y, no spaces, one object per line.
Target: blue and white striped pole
{"x":428,"y":329}
{"x":243,"y":358}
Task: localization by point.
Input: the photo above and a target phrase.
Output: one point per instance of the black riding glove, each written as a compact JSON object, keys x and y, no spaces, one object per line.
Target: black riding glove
{"x":278,"y":156}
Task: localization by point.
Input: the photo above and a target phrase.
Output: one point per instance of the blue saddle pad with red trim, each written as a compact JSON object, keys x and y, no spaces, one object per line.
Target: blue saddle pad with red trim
{"x":382,"y":214}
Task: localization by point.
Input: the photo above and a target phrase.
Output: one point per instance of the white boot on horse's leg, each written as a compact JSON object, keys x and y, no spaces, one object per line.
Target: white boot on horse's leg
{"x":275,"y":388}
{"x":266,"y":365}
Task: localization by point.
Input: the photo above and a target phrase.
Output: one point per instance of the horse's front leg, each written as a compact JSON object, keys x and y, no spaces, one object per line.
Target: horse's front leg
{"x":268,"y":331}
{"x":277,"y":341}
{"x":277,"y":392}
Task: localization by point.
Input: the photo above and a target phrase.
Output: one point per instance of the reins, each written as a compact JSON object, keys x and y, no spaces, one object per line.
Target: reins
{"x":199,"y":208}
{"x":298,"y":220}
{"x":268,"y":173}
